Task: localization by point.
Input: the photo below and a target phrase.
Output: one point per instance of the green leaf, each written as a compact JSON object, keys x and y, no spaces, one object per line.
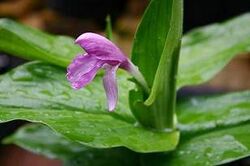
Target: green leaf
{"x":216,"y":127}
{"x":100,"y":131}
{"x":206,"y":50}
{"x":38,"y":92}
{"x":40,"y":85}
{"x":108,"y":29}
{"x":149,"y":43}
{"x":156,"y":53}
{"x":211,"y":148}
{"x":29,"y":43}
{"x":209,"y":136}
{"x":41,"y":140}
{"x":203,"y":113}
{"x":215,"y":130}
{"x":223,"y":131}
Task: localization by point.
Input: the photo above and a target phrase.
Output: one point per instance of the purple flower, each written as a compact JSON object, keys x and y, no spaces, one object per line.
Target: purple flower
{"x":100,"y":53}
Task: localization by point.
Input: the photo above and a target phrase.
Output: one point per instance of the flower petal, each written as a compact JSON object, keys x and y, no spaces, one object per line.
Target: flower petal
{"x":81,"y":63}
{"x":100,"y":47}
{"x":110,"y":85}
{"x":82,"y":70}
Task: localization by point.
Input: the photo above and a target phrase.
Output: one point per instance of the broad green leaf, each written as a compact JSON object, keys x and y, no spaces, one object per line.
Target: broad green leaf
{"x":206,"y":50}
{"x":38,"y":92}
{"x":40,"y":85}
{"x":215,"y":130}
{"x":100,"y":131}
{"x":41,"y":140}
{"x":212,"y":148}
{"x":203,"y":113}
{"x":210,"y":136}
{"x":29,"y":43}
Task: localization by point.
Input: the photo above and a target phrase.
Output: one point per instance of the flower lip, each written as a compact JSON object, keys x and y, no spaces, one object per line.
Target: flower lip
{"x":82,"y":70}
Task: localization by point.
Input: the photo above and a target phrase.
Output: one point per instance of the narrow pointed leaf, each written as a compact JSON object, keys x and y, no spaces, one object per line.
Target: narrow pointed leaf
{"x":149,"y":43}
{"x":108,"y":28}
{"x":156,"y":53}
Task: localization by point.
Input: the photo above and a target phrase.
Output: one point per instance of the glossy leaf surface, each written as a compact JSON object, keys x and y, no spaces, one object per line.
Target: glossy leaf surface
{"x":208,"y":112}
{"x":208,"y":136}
{"x":215,"y":130}
{"x":210,"y":148}
{"x":100,"y":131}
{"x":206,"y":50}
{"x":39,"y":85}
{"x":38,"y":92}
{"x":30,"y":43}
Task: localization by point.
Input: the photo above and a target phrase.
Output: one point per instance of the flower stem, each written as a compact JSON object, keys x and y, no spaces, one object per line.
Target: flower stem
{"x":134,"y":71}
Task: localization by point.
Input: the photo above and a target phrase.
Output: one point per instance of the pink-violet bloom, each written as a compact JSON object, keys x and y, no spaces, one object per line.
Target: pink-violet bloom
{"x":101,"y":53}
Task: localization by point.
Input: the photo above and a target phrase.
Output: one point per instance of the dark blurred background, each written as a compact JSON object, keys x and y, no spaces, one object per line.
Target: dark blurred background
{"x":73,"y":17}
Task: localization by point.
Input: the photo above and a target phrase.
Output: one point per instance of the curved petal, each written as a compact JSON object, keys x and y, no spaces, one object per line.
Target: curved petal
{"x":110,"y":85}
{"x":82,"y":70}
{"x":100,"y":47}
{"x":81,"y":63}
